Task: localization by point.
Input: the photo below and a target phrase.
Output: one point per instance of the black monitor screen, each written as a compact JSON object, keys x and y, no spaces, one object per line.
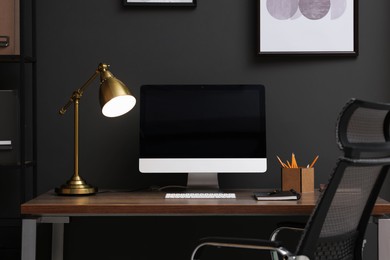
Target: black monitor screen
{"x":202,"y":121}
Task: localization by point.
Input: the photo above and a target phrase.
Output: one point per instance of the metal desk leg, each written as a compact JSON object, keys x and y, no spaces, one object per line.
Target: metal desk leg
{"x":57,"y":239}
{"x":383,"y":238}
{"x":29,"y":238}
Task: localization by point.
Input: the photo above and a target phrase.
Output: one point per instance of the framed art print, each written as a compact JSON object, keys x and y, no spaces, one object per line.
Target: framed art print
{"x":160,"y":2}
{"x":314,"y":27}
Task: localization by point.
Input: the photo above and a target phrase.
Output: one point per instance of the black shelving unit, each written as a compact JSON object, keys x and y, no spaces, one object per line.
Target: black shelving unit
{"x":23,"y":172}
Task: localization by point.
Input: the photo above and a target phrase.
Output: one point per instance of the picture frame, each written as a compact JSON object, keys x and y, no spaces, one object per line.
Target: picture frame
{"x":299,"y":27}
{"x":159,"y":3}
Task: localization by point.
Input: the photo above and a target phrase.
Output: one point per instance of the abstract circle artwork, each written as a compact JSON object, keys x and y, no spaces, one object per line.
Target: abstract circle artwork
{"x":310,"y":9}
{"x":313,"y":27}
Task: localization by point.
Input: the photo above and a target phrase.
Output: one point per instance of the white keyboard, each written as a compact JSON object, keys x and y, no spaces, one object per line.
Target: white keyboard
{"x":184,"y":195}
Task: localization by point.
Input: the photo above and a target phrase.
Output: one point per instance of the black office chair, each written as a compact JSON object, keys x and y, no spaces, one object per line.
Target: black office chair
{"x":336,"y":228}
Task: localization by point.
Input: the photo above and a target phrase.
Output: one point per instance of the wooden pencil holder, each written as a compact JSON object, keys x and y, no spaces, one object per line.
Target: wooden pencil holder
{"x":299,"y":179}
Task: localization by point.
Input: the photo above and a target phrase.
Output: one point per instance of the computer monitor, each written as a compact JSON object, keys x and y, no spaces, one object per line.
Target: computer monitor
{"x":202,"y":130}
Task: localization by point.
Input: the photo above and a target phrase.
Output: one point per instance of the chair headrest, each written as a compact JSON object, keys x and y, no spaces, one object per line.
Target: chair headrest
{"x":363,"y":127}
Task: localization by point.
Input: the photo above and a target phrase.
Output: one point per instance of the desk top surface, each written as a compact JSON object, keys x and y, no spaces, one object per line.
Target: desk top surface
{"x":153,"y":203}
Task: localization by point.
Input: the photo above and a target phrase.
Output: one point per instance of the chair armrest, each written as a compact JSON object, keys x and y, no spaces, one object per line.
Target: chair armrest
{"x":293,"y":226}
{"x":300,"y":225}
{"x":257,"y":244}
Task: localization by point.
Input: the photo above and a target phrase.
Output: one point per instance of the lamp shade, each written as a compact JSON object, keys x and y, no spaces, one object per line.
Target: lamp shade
{"x":115,"y":97}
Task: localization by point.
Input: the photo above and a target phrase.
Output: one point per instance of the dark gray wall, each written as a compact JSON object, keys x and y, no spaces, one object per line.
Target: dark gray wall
{"x":212,"y":43}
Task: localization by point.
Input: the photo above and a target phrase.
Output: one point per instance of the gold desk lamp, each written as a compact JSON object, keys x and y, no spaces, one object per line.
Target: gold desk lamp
{"x":115,"y":100}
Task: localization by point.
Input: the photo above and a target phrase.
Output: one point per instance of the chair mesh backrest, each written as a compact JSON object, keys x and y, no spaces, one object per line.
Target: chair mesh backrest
{"x":341,"y":215}
{"x":335,"y":230}
{"x":350,"y":199}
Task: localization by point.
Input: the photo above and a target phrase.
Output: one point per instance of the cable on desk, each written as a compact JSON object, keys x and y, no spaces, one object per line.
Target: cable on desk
{"x":150,"y":188}
{"x":124,"y":190}
{"x":171,"y":187}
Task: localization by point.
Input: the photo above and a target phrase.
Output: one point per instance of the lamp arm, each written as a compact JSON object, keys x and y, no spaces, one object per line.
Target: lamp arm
{"x":79,"y":92}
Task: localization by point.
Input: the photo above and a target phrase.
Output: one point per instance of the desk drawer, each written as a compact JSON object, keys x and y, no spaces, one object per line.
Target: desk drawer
{"x":9,"y":127}
{"x":9,"y":27}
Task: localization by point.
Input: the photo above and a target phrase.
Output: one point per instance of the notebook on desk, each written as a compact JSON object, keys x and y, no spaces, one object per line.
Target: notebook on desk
{"x":277,"y":195}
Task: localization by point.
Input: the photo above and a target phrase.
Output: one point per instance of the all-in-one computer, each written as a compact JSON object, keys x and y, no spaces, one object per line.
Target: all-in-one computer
{"x":202,"y":130}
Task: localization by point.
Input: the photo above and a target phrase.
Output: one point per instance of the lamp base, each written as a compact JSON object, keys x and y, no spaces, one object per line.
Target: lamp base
{"x":76,"y":186}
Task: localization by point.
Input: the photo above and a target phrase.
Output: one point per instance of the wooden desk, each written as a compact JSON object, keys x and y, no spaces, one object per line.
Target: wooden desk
{"x":57,"y":210}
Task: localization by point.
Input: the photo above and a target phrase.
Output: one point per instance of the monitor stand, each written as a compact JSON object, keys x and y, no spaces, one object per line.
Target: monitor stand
{"x":203,"y":181}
